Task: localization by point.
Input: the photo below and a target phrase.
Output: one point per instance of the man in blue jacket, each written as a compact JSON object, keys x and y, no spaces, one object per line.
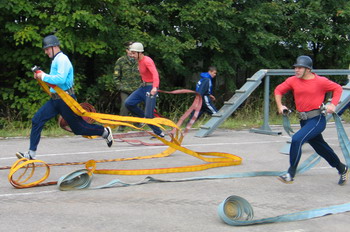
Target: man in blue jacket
{"x":61,"y":74}
{"x":205,"y":88}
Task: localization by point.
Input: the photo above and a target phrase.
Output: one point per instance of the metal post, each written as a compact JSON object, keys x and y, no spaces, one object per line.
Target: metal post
{"x":265,"y":128}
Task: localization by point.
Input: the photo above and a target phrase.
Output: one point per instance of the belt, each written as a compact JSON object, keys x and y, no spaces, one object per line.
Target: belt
{"x":55,"y":96}
{"x":143,"y":84}
{"x":309,"y":114}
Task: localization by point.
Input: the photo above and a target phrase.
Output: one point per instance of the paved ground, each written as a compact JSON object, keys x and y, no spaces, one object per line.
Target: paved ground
{"x":185,"y":206}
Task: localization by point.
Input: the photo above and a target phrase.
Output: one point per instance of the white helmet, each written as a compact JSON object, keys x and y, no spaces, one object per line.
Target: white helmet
{"x":136,"y":47}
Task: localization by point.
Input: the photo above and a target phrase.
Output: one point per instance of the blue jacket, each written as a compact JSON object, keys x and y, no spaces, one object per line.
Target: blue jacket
{"x":204,"y":85}
{"x":61,"y":73}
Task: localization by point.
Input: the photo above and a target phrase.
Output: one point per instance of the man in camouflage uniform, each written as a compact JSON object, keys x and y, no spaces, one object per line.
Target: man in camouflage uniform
{"x":127,"y":78}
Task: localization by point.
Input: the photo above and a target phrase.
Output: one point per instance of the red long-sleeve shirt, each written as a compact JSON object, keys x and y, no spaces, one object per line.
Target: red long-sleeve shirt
{"x":148,"y":71}
{"x":309,"y":94}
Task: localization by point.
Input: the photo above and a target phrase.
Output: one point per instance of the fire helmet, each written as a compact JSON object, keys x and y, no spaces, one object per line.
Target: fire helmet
{"x":50,"y":41}
{"x":304,"y":61}
{"x":136,"y":47}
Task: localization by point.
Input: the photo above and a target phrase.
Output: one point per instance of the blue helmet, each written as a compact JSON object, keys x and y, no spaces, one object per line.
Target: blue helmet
{"x":50,"y":41}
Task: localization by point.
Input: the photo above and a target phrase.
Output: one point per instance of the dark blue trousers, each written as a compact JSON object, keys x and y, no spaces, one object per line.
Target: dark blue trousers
{"x":138,"y":96}
{"x":207,"y":107}
{"x":310,"y":132}
{"x":51,"y":109}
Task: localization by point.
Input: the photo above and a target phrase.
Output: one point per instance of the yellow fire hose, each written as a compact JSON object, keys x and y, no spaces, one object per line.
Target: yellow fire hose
{"x":211,"y":159}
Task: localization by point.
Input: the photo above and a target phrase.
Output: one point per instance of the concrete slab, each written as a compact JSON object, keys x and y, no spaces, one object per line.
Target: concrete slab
{"x":184,"y":206}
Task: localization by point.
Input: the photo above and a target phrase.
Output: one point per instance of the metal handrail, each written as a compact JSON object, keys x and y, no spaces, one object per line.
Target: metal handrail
{"x":251,"y":84}
{"x":265,"y":128}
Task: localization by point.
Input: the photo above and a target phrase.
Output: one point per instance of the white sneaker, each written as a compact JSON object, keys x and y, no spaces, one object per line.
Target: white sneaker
{"x":162,"y":135}
{"x":25,"y":155}
{"x":109,"y":137}
{"x":286,"y":178}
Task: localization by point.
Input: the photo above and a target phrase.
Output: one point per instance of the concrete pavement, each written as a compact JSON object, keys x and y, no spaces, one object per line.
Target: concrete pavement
{"x":184,"y":206}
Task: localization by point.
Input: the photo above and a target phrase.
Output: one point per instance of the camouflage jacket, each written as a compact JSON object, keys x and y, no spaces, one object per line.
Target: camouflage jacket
{"x":126,"y":74}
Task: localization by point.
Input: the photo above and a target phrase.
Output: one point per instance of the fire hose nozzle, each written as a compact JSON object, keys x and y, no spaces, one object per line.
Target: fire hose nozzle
{"x":36,"y":69}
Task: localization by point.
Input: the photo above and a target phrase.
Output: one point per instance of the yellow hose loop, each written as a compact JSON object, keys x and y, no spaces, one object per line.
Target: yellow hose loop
{"x":72,"y":181}
{"x":26,"y":166}
{"x":82,"y":179}
{"x":224,"y":160}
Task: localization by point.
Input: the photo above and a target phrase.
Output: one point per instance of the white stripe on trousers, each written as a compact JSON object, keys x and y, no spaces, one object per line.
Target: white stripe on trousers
{"x":207,"y":103}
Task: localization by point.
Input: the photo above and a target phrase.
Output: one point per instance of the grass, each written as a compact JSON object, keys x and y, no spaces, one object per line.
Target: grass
{"x":22,"y":129}
{"x":238,"y":121}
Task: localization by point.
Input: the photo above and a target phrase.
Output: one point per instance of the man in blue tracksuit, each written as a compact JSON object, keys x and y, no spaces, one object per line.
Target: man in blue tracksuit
{"x":205,"y":88}
{"x":61,"y":74}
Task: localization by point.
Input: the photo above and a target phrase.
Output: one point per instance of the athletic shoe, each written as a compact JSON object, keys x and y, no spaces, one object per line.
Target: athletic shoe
{"x":286,"y":178}
{"x":162,"y":135}
{"x":344,"y":176}
{"x":109,"y":137}
{"x":26,"y":155}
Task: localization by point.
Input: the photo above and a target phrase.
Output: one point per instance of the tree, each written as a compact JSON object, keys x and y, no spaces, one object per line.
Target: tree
{"x":183,"y":37}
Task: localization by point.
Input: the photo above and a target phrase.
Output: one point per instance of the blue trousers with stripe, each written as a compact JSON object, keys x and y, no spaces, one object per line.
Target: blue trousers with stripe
{"x":51,"y":109}
{"x":310,"y":132}
{"x":207,"y":106}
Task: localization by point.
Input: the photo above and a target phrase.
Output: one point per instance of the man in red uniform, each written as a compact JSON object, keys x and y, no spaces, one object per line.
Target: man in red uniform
{"x":309,"y":91}
{"x":148,"y":90}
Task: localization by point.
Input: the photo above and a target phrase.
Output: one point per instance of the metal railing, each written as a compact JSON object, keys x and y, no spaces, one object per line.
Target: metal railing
{"x":244,"y":92}
{"x":265,"y":128}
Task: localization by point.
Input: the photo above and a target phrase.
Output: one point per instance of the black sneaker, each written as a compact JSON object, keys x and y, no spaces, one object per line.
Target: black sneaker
{"x":109,"y":137}
{"x":344,"y":176}
{"x":21,"y":155}
{"x":162,"y":135}
{"x":286,"y":178}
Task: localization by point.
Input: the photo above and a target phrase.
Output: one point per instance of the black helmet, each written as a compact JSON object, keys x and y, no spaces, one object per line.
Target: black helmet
{"x":50,"y":41}
{"x":304,"y":61}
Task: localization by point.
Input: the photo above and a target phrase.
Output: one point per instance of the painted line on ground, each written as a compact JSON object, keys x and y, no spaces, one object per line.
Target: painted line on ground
{"x":147,"y":148}
{"x":155,"y":147}
{"x":27,"y":193}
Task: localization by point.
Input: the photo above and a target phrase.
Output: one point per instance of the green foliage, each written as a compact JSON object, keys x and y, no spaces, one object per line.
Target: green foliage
{"x":28,"y":101}
{"x":183,"y":37}
{"x":176,"y":103}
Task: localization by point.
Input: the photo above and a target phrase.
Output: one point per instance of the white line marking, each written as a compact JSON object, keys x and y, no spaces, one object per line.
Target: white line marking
{"x":147,"y":148}
{"x":155,"y":147}
{"x":28,"y":193}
